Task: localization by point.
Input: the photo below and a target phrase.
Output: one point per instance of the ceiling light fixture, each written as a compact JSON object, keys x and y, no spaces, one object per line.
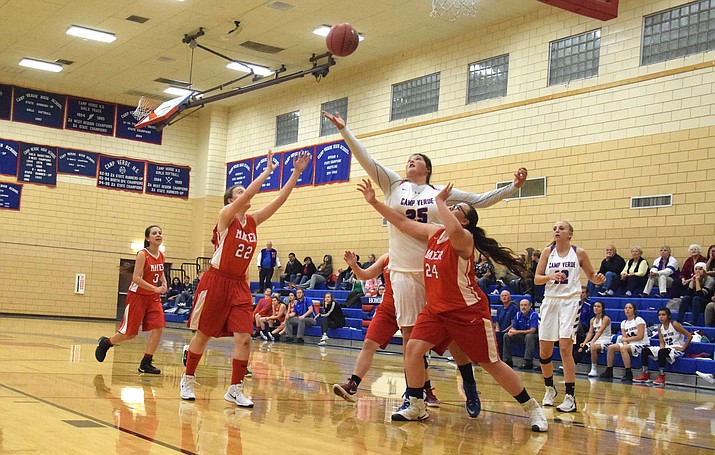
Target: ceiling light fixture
{"x":40,"y":65}
{"x":88,"y":33}
{"x":323,"y":30}
{"x":248,"y":67}
{"x":178,"y":91}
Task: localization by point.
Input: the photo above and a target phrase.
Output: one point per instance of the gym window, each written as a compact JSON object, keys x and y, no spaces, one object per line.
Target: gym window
{"x":535,"y":187}
{"x":575,"y":57}
{"x":677,"y":32}
{"x":287,"y":128}
{"x":415,"y":97}
{"x":487,"y":79}
{"x":331,"y":107}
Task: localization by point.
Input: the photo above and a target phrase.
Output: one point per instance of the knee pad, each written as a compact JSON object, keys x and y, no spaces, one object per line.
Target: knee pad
{"x":545,"y":361}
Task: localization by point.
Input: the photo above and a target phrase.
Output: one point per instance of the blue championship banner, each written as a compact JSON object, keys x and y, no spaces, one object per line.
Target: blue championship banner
{"x":126,"y":130}
{"x":90,"y":116}
{"x":306,"y":177}
{"x":5,"y":101}
{"x":273,"y":181}
{"x":167,"y":180}
{"x":38,"y":108}
{"x":9,"y":151}
{"x":77,"y":162}
{"x":332,"y":163}
{"x":121,"y":173}
{"x":38,"y":164}
{"x":239,"y":173}
{"x":10,"y":194}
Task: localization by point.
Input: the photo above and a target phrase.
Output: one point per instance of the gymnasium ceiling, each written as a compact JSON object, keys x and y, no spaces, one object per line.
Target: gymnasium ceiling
{"x":143,"y":52}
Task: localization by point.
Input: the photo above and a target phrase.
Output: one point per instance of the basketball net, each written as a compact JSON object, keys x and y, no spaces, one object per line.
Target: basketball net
{"x":453,"y":9}
{"x":144,"y":108}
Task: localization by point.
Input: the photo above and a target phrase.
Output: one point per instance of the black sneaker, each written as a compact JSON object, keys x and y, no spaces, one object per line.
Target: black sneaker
{"x":528,"y":365}
{"x":147,"y":367}
{"x":100,"y":352}
{"x":628,"y":377}
{"x":473,"y":404}
{"x":608,"y":374}
{"x":509,"y":363}
{"x":299,"y":340}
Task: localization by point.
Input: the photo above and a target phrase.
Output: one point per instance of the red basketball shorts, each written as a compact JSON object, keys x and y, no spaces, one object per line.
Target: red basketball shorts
{"x":143,"y":311}
{"x":222,"y":305}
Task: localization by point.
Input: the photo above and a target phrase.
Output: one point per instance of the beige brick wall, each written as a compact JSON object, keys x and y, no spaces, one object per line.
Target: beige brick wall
{"x":630,"y":131}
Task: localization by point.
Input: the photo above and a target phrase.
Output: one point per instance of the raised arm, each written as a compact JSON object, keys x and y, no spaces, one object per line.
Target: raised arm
{"x":228,"y":212}
{"x":420,"y":231}
{"x":384,"y":177}
{"x":374,"y":271}
{"x":300,"y":162}
{"x":461,"y":239}
{"x":480,"y":200}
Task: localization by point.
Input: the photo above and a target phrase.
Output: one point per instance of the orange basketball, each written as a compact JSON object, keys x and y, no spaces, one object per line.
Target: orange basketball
{"x":342,"y":39}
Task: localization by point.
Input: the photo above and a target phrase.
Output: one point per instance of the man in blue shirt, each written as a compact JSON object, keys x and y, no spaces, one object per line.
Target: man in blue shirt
{"x":505,"y":314}
{"x":524,"y":332}
{"x":267,"y":261}
{"x":303,"y":315}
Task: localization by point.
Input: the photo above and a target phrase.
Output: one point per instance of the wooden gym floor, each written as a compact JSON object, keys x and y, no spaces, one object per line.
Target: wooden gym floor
{"x":59,"y":400}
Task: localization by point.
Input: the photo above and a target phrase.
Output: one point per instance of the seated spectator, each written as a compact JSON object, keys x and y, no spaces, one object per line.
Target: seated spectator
{"x":344,"y":276}
{"x":308,"y":271}
{"x":674,"y":340}
{"x":631,"y":342}
{"x":537,"y":291}
{"x":523,"y":331}
{"x":261,"y":312}
{"x":331,"y":317}
{"x":697,"y":295}
{"x":598,"y":338}
{"x":710,"y":264}
{"x":321,"y":275}
{"x":484,"y":270}
{"x":175,"y":289}
{"x":353,"y":298}
{"x":584,"y":318}
{"x":688,"y":270}
{"x":186,"y":298}
{"x":303,"y":315}
{"x":285,"y":307}
{"x":611,"y":267}
{"x":505,"y":316}
{"x":664,"y":269}
{"x":276,"y":318}
{"x":292,"y":271}
{"x":633,"y":274}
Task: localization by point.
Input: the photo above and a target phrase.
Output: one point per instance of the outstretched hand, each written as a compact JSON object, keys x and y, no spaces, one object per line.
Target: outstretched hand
{"x":270,"y":164}
{"x":350,"y":258}
{"x":520,"y":177}
{"x":367,"y":190}
{"x":444,"y":194}
{"x":336,"y":119}
{"x":301,"y":161}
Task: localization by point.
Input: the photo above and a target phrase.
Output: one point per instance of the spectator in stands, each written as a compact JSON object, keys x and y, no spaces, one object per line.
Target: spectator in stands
{"x":584,"y":325}
{"x":523,"y":285}
{"x":484,"y":270}
{"x":344,"y":275}
{"x":634,"y":273}
{"x":697,"y":294}
{"x":303,"y":315}
{"x":331,"y":317}
{"x":611,"y":267}
{"x":710,"y":263}
{"x":523,"y":331}
{"x":598,"y":338}
{"x":186,"y":298}
{"x":292,"y":271}
{"x":505,"y":316}
{"x":175,"y":289}
{"x":267,"y":262}
{"x":263,"y":309}
{"x":321,"y":275}
{"x":370,"y":261}
{"x":674,"y":340}
{"x":286,"y":306}
{"x":380,"y":292}
{"x":537,"y":291}
{"x":631,"y":342}
{"x":688,"y":270}
{"x":664,"y":269}
{"x":308,"y":271}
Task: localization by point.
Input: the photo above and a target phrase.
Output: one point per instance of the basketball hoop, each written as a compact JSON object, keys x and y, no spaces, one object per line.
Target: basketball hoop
{"x":144,"y":108}
{"x":453,"y":9}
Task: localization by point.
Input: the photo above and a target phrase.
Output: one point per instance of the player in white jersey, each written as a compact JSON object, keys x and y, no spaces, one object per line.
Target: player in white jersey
{"x":598,"y":337}
{"x":559,"y":269}
{"x":633,"y":339}
{"x":674,"y":340}
{"x":414,"y":197}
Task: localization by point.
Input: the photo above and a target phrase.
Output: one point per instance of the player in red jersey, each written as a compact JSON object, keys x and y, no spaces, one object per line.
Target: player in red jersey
{"x":223,"y":302}
{"x":457,"y":309}
{"x":143,"y":302}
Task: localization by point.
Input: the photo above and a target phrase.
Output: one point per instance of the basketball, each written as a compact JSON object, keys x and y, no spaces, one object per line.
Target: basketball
{"x":342,"y":40}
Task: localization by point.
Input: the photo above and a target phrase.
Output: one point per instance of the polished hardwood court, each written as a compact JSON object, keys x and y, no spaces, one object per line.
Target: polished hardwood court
{"x":57,"y":399}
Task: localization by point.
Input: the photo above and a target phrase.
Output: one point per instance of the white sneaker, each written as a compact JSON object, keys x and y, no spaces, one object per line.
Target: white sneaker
{"x":322,"y":343}
{"x":263,"y":335}
{"x":495,"y":292}
{"x":593,"y":373}
{"x":549,"y":396}
{"x":536,"y":416}
{"x":325,"y":337}
{"x":271,"y":337}
{"x":568,"y":405}
{"x":234,"y":394}
{"x":187,"y":387}
{"x":706,"y":376}
{"x":417,"y":410}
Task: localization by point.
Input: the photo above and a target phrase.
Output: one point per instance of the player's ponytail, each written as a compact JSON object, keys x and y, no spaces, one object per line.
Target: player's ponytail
{"x":491,"y":248}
